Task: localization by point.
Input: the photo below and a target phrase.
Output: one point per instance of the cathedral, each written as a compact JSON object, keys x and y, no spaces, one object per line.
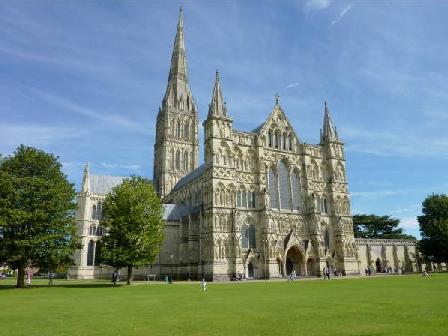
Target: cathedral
{"x":261,"y":205}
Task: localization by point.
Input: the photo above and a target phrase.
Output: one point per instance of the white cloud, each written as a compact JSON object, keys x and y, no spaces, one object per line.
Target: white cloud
{"x":341,"y":14}
{"x":317,"y":4}
{"x":409,"y":223}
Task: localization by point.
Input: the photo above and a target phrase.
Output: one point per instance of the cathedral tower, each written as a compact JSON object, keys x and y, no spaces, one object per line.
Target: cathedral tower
{"x":343,"y":248}
{"x":176,"y":146}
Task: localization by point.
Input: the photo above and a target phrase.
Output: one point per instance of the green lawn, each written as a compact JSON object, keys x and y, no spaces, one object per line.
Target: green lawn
{"x":395,"y":305}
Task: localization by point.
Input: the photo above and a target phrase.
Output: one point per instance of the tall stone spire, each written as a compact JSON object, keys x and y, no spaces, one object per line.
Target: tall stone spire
{"x":178,"y":68}
{"x":217,"y":106}
{"x":86,"y":180}
{"x":178,"y":92}
{"x":328,"y":132}
{"x":176,"y":148}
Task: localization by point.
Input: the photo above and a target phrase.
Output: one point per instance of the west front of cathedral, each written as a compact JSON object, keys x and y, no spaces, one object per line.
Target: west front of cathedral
{"x":262,"y":204}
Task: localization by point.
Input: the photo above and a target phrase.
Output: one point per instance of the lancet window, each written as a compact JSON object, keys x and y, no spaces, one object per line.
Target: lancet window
{"x":90,"y":253}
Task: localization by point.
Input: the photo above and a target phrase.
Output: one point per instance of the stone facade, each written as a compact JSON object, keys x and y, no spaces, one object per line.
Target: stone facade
{"x":263,"y":203}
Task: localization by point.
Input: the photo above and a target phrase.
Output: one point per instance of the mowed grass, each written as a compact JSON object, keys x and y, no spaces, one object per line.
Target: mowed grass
{"x":395,"y":305}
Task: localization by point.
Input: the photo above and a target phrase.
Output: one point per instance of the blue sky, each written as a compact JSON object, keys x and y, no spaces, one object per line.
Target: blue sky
{"x":84,"y":80}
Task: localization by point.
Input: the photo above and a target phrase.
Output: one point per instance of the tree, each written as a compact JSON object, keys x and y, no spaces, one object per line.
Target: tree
{"x":373,"y":226}
{"x":133,"y":221}
{"x":37,"y":226}
{"x":434,"y":227}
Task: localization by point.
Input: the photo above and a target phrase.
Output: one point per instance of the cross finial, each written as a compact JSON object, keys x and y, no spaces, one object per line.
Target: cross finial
{"x":277,"y":98}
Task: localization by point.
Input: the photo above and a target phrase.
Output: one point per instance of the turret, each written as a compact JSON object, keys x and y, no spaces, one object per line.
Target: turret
{"x":85,"y":188}
{"x":328,"y":132}
{"x":217,"y":126}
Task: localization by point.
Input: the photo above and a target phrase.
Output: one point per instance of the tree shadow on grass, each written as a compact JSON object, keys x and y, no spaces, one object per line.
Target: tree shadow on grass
{"x":64,"y":285}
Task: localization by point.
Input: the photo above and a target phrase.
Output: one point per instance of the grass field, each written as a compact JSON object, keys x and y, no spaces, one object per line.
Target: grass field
{"x":395,"y":305}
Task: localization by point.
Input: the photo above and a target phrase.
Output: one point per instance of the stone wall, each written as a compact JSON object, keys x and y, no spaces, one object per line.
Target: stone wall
{"x":379,"y":254}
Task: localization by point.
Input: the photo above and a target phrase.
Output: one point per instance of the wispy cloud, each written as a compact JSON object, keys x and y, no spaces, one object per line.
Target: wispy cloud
{"x":36,"y":135}
{"x":292,"y":85}
{"x":378,"y":193}
{"x":394,"y":142}
{"x":389,"y":192}
{"x":89,"y":112}
{"x":120,"y":166}
{"x":317,"y":4}
{"x":342,"y":14}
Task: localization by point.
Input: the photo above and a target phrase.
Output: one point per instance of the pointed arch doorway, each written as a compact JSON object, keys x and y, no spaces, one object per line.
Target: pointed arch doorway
{"x":295,"y":261}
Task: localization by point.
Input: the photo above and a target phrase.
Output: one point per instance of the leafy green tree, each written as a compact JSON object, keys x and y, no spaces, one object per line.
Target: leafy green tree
{"x":133,"y":221}
{"x":37,"y":226}
{"x":373,"y":226}
{"x":434,"y":227}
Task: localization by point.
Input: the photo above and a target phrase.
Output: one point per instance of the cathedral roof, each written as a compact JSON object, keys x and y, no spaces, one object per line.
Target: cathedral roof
{"x":258,"y":129}
{"x":190,"y":177}
{"x":173,"y":212}
{"x":103,"y":184}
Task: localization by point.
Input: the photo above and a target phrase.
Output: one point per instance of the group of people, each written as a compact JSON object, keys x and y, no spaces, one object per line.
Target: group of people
{"x":292,"y":276}
{"x":327,"y":273}
{"x":238,"y":277}
{"x":387,"y":270}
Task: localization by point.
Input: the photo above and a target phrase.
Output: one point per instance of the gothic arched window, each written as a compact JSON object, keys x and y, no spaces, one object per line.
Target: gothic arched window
{"x":272,"y":184}
{"x":178,"y":129}
{"x":186,"y":160}
{"x":186,"y":131}
{"x":99,"y":211}
{"x":244,"y":199}
{"x":277,"y":139}
{"x":245,"y":236}
{"x":324,"y":205}
{"x":97,"y":253}
{"x":178,"y":159}
{"x":284,"y":141}
{"x":284,"y":186}
{"x":94,"y":211}
{"x":252,"y":199}
{"x":90,"y":251}
{"x":327,"y":239}
{"x":270,"y":138}
{"x":295,"y":184}
{"x":252,"y":237}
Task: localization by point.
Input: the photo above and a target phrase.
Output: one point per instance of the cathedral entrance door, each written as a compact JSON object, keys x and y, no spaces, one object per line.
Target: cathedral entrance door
{"x":295,"y":261}
{"x":250,"y":270}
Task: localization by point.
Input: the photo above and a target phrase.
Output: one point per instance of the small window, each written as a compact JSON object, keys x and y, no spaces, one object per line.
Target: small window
{"x":92,"y":230}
